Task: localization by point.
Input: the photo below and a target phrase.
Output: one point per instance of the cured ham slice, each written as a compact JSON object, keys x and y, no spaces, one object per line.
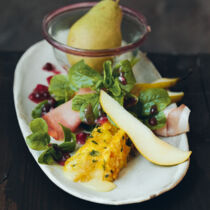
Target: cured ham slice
{"x":176,"y":121}
{"x":65,"y":115}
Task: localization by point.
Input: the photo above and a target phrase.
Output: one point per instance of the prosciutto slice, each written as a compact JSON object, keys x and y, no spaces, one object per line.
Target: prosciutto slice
{"x":176,"y":121}
{"x":65,"y":115}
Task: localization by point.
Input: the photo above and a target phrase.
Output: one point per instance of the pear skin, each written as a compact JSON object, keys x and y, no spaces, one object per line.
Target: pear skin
{"x":99,"y":28}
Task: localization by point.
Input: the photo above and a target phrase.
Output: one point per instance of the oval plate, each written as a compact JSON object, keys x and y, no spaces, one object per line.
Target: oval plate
{"x":139,"y":181}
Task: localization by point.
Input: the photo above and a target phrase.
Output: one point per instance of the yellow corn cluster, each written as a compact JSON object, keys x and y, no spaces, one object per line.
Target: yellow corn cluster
{"x":103,"y":155}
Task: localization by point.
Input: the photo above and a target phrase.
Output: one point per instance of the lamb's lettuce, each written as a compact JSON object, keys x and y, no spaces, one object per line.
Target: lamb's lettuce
{"x":80,"y":103}
{"x":125,"y":68}
{"x":60,"y":88}
{"x":40,"y":140}
{"x":151,"y":97}
{"x":81,"y":76}
{"x":37,"y":111}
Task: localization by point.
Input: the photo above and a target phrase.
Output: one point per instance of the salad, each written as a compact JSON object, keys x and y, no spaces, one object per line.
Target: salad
{"x":90,"y":143}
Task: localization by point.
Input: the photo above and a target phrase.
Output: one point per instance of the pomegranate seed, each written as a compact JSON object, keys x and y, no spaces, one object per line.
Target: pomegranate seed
{"x":101,"y":120}
{"x":153,"y":121}
{"x":153,"y":110}
{"x":40,"y":93}
{"x":122,"y":80}
{"x":81,"y":137}
{"x":52,"y":102}
{"x":130,"y":101}
{"x":63,"y":159}
{"x":50,"y":67}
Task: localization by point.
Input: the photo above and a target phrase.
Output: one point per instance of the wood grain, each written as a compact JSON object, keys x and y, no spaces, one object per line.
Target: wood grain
{"x":24,"y":186}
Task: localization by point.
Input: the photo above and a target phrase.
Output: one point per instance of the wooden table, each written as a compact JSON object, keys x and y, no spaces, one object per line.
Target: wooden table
{"x":23,"y":186}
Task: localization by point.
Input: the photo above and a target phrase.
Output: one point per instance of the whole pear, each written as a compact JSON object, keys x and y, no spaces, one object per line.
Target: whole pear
{"x":99,"y":28}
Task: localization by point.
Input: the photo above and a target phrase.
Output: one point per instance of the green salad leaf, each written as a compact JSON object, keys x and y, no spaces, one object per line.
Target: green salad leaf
{"x":108,"y":78}
{"x":37,"y":111}
{"x":46,"y":157}
{"x":60,"y":88}
{"x":86,"y":114}
{"x":51,"y":155}
{"x":82,"y":76}
{"x":161,"y":121}
{"x":82,"y":101}
{"x":125,"y":68}
{"x":156,"y":97}
{"x":151,"y":97}
{"x":38,"y":125}
{"x":115,"y":89}
{"x":69,"y":140}
{"x":38,"y":140}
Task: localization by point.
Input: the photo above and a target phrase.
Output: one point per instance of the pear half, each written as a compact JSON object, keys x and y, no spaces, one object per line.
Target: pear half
{"x":149,"y":145}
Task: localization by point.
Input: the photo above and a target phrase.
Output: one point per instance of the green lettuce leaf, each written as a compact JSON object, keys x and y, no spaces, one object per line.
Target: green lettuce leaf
{"x":86,"y":114}
{"x":82,"y":76}
{"x":161,"y":121}
{"x":38,"y":140}
{"x":91,"y":98}
{"x":37,"y":111}
{"x":115,"y":89}
{"x":153,"y":96}
{"x":60,"y":88}
{"x":108,"y":78}
{"x":51,"y":155}
{"x":125,"y":68}
{"x":69,"y":140}
{"x":38,"y":125}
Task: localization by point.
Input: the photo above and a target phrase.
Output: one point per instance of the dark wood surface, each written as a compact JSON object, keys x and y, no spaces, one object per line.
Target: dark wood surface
{"x":23,"y":186}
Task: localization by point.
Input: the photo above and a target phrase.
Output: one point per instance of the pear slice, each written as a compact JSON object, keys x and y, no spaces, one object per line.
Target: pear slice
{"x":160,"y":83}
{"x":175,"y":96}
{"x":149,"y":145}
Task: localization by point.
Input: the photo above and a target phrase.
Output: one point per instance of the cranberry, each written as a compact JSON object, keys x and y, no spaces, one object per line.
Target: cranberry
{"x":49,"y":79}
{"x":40,"y":93}
{"x":130,"y":101}
{"x":63,"y":159}
{"x":81,"y":137}
{"x":48,"y":106}
{"x":52,"y":102}
{"x":50,"y":67}
{"x":153,"y":121}
{"x":101,"y":120}
{"x":122,"y":80}
{"x":153,"y":110}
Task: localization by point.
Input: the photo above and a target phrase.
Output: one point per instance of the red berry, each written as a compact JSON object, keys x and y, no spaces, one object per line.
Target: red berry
{"x":81,"y":137}
{"x":40,"y":93}
{"x":50,"y":67}
{"x":153,"y":121}
{"x":101,"y":120}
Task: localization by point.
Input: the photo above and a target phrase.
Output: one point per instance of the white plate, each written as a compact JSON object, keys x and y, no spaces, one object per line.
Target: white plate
{"x":139,"y":181}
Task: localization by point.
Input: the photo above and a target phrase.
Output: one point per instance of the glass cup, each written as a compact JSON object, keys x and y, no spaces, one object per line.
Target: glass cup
{"x":56,"y":27}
